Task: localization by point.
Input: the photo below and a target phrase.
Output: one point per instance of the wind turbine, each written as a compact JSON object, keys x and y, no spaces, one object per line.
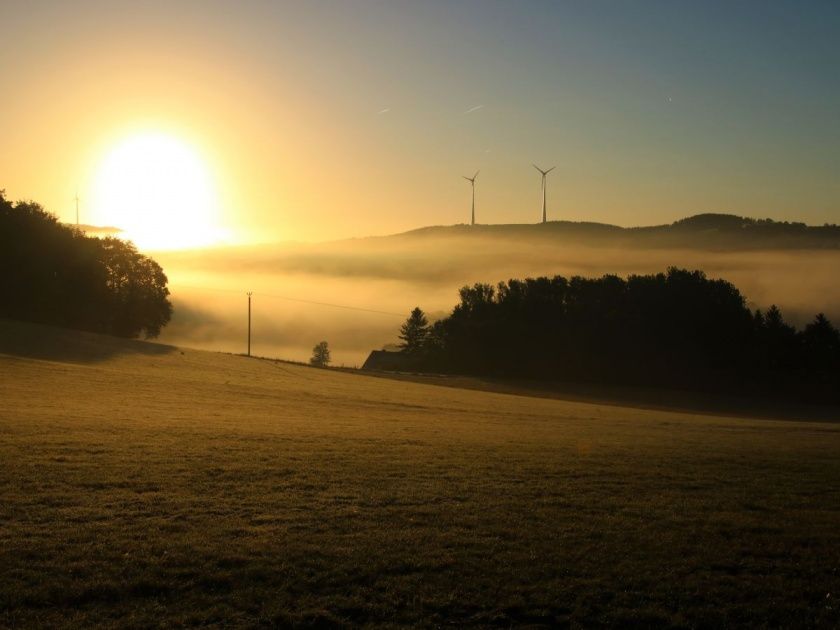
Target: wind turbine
{"x":544,"y":173}
{"x":471,"y":180}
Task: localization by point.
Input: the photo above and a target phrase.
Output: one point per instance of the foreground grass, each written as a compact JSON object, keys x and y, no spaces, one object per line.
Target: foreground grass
{"x":155,"y":487}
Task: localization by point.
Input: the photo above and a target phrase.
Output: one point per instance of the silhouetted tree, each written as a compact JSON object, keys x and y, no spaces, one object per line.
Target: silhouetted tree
{"x":320,"y":355}
{"x":779,"y":339}
{"x":821,"y":345}
{"x":137,"y":290}
{"x":414,"y":331}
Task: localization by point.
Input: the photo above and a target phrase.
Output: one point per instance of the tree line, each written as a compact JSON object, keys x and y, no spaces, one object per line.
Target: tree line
{"x":51,"y":273}
{"x":676,"y":329}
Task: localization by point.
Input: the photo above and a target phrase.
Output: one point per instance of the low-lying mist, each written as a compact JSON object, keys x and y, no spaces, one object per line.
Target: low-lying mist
{"x":355,"y":294}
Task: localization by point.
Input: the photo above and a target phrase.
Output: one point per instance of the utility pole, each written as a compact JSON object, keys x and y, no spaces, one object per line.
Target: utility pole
{"x":250,"y":293}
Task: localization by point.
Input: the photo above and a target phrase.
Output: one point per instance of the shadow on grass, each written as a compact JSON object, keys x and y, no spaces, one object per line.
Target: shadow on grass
{"x":36,"y":341}
{"x":637,"y":397}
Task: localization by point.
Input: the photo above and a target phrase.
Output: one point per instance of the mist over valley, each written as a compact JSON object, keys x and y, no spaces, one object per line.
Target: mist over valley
{"x":301,"y":290}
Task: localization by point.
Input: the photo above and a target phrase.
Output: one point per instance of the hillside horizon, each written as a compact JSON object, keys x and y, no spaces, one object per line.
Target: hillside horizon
{"x":717,"y":230}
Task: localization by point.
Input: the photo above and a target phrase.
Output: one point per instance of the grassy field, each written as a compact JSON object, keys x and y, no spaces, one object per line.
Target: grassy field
{"x":148,"y":486}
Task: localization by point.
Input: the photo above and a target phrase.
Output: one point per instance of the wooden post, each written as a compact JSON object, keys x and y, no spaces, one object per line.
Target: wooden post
{"x":249,"y":323}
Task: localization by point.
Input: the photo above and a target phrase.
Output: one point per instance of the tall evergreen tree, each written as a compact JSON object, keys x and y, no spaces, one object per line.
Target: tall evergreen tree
{"x":414,"y":331}
{"x":821,"y":343}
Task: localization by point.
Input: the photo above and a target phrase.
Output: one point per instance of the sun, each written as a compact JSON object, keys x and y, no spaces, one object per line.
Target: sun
{"x":158,"y":191}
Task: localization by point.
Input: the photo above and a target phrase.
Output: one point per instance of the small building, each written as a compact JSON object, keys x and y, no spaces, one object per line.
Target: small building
{"x":387,"y":360}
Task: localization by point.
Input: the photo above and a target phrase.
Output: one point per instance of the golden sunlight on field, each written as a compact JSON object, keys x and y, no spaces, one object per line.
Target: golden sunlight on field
{"x":165,"y":486}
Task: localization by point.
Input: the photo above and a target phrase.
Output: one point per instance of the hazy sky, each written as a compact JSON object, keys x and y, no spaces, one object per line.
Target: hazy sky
{"x":321,"y":120}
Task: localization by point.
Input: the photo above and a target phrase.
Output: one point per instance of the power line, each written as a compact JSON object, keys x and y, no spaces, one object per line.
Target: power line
{"x":292,"y":299}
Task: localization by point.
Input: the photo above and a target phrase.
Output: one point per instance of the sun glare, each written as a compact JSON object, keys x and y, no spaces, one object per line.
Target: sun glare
{"x":158,"y":190}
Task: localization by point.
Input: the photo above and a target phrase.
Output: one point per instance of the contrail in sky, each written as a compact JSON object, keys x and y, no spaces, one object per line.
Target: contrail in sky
{"x":384,"y":111}
{"x":473,"y":109}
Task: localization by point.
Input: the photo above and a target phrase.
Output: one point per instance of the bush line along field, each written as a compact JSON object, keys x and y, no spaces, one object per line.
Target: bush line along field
{"x":150,"y":486}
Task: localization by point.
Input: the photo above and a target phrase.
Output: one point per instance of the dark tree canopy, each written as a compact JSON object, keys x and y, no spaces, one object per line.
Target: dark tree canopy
{"x":675,"y":329}
{"x":54,"y":274}
{"x":821,"y":345}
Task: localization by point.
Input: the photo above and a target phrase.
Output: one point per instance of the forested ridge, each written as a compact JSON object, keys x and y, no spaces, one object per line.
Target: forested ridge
{"x":710,"y":231}
{"x":675,"y":329}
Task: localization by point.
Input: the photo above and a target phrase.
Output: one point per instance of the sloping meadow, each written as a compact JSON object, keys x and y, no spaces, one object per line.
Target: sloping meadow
{"x":151,"y":486}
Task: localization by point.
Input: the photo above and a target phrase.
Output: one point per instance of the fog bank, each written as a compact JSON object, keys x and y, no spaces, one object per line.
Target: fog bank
{"x":307,"y":293}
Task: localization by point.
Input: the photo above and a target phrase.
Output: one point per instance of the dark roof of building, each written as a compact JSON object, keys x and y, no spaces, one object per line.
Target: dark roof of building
{"x":386,"y":360}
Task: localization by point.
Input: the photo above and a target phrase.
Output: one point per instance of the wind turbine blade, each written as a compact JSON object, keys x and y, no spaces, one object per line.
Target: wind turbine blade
{"x":536,"y":167}
{"x":549,"y":170}
{"x":476,"y":174}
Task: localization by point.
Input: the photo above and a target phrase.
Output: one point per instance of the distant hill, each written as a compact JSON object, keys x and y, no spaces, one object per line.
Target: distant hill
{"x":790,"y":264}
{"x":702,"y":231}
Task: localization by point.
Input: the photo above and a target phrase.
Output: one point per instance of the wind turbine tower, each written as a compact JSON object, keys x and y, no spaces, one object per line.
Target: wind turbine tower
{"x":543,"y":173}
{"x":471,"y":180}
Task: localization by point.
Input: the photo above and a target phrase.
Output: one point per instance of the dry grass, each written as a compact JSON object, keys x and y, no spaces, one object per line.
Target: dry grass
{"x":148,"y":486}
